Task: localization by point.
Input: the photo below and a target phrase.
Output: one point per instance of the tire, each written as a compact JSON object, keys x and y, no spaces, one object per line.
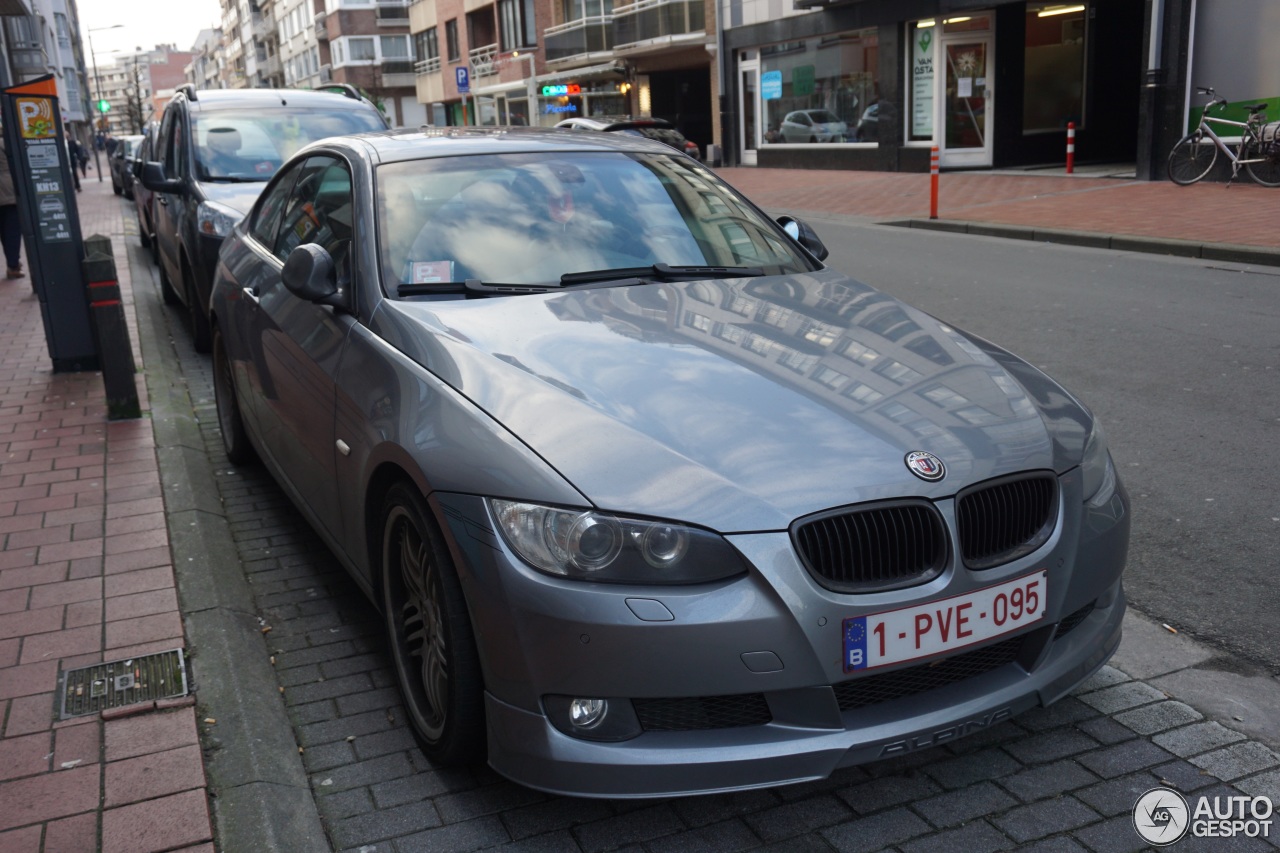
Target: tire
{"x":167,"y":292}
{"x":143,"y":237}
{"x":813,"y":139}
{"x":1267,"y":172}
{"x":115,"y":188}
{"x":432,"y":645}
{"x":201,"y":335}
{"x":1191,"y":159}
{"x":234,"y":438}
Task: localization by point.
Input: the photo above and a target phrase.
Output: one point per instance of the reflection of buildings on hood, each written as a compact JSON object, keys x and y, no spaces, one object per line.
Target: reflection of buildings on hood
{"x":853,"y":348}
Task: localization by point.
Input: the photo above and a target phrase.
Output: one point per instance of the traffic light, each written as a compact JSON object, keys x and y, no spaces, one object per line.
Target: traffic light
{"x":104,"y":106}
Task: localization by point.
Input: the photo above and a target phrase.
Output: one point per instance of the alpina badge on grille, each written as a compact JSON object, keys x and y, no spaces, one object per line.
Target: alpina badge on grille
{"x":926,"y":466}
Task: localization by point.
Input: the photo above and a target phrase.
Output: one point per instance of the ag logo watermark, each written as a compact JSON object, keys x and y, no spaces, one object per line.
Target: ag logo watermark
{"x":1162,"y":816}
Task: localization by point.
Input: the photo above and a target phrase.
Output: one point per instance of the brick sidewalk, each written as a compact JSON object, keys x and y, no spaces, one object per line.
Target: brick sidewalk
{"x":1202,"y":213}
{"x":85,"y":577}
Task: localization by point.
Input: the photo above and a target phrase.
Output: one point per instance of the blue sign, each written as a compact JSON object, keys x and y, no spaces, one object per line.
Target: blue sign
{"x":771,"y":85}
{"x":464,"y":80}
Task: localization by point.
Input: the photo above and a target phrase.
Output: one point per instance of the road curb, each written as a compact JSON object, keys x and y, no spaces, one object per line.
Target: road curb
{"x":1229,"y":252}
{"x":260,"y":797}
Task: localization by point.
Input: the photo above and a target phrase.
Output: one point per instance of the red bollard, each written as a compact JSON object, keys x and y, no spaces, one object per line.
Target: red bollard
{"x":1071,"y":147}
{"x":933,"y":183}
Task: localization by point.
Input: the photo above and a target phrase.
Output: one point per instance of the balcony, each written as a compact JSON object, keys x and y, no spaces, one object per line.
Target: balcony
{"x":398,"y":73}
{"x":322,"y":31}
{"x":428,"y":66}
{"x":430,"y":81}
{"x":579,"y":40}
{"x":482,"y":61}
{"x":657,"y":22}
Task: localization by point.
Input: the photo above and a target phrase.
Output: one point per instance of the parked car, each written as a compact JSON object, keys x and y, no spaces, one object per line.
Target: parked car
{"x":813,"y":126}
{"x":142,"y":197}
{"x":122,"y":157}
{"x":651,"y":128}
{"x":215,"y":151}
{"x":868,"y":129}
{"x":652,"y":501}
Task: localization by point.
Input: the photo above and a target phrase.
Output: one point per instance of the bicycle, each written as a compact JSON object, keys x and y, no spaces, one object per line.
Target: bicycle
{"x":1258,"y":149}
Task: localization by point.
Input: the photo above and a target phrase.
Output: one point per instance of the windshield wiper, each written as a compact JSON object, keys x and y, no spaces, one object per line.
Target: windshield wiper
{"x":661,"y":272}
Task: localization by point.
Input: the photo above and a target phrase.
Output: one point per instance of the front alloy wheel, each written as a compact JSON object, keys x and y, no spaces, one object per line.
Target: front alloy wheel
{"x":432,"y":645}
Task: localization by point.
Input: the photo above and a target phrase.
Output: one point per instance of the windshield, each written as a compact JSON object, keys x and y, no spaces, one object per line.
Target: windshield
{"x":531,"y":218}
{"x":250,"y":145}
{"x":823,"y":116}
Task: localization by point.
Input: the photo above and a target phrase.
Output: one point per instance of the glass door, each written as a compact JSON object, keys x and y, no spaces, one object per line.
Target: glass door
{"x":749,"y":126}
{"x":967,"y":96}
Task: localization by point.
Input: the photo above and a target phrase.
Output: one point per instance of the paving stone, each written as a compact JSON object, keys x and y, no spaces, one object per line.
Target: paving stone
{"x":392,"y":740}
{"x":876,"y":832}
{"x":327,"y":755}
{"x":1061,"y":713}
{"x":891,"y":791}
{"x":1159,"y":717}
{"x":792,"y":819}
{"x":698,"y":811}
{"x":842,"y":778}
{"x":959,"y":772}
{"x":1264,"y":785}
{"x":487,"y":800}
{"x":150,"y":776}
{"x":1061,"y":844}
{"x":361,"y":774}
{"x":415,"y":788}
{"x":1112,"y":836}
{"x":1121,"y":697}
{"x":1197,"y":738}
{"x":1108,"y":676}
{"x":327,"y":689}
{"x":976,"y":837}
{"x":386,"y":823}
{"x":643,"y":825}
{"x":1182,"y":775}
{"x":165,"y":824}
{"x":1048,"y":780}
{"x":1106,"y":730}
{"x":552,"y":842}
{"x":556,"y":814}
{"x":1027,"y":823}
{"x":1051,"y":746}
{"x":1117,"y":796}
{"x":1240,"y":759}
{"x":335,"y":807}
{"x":1124,"y":758}
{"x":47,"y":796}
{"x":956,"y":807}
{"x":729,"y":836}
{"x":341,"y":728}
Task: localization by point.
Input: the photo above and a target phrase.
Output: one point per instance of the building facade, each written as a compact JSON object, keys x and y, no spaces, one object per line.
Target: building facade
{"x":367,"y":44}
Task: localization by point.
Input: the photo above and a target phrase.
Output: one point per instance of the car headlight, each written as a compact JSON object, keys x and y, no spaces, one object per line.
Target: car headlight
{"x":1099,"y":471}
{"x":597,"y":546}
{"x":215,"y":219}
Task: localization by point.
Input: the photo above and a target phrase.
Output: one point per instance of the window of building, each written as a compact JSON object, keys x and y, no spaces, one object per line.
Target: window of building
{"x":64,"y":33}
{"x":451,"y":39}
{"x":426,"y":45}
{"x":576,"y":10}
{"x":395,"y":48}
{"x":516,"y":24}
{"x":1053,"y":93}
{"x":361,"y":50}
{"x":821,"y":90}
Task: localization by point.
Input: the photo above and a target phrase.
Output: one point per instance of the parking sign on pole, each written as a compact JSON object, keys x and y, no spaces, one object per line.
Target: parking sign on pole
{"x":464,"y":79}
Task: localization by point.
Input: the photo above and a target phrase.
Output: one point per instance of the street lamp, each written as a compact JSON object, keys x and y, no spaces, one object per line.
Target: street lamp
{"x":97,"y":164}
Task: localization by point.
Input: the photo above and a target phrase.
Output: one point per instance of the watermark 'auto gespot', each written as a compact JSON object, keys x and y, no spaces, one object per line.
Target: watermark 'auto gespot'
{"x":1162,"y":816}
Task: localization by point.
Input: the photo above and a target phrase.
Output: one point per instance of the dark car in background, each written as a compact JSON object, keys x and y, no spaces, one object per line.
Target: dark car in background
{"x":650,"y":128}
{"x":121,"y":160}
{"x":214,"y":152}
{"x":653,"y":502}
{"x":143,"y":197}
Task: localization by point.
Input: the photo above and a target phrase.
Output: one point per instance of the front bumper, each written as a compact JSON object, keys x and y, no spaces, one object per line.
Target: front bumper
{"x":539,"y":636}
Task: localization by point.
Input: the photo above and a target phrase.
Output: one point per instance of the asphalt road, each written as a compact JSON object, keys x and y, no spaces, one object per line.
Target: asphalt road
{"x":1180,"y":359}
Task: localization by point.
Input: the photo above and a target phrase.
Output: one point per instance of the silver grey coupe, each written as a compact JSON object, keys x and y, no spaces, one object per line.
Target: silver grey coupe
{"x":653,"y":502}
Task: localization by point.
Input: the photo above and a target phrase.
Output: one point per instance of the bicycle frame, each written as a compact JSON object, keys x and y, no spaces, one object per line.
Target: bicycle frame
{"x":1249,"y":132}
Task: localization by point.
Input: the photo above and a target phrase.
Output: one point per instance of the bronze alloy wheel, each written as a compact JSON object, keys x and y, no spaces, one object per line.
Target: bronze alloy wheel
{"x":430,"y":633}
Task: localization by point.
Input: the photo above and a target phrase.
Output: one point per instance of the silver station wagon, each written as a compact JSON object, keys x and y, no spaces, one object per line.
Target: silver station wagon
{"x":654,"y":502}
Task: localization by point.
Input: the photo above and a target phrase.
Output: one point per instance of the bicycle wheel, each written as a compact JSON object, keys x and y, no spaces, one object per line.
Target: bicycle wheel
{"x":1191,"y":159}
{"x":1265,"y":172}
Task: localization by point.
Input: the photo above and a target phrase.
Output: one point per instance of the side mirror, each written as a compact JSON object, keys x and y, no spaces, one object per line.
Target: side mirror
{"x":800,"y":231}
{"x":309,"y":274}
{"x":153,"y":179}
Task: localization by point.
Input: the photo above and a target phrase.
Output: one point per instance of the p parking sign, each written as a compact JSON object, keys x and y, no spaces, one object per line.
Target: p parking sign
{"x":463,"y":75}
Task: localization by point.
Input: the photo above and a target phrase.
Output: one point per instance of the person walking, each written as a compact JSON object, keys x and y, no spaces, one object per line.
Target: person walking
{"x":10,"y":224}
{"x":73,"y":157}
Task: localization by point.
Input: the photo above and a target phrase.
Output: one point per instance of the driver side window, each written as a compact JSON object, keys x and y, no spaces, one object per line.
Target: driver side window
{"x":266,"y":219}
{"x":319,"y":210}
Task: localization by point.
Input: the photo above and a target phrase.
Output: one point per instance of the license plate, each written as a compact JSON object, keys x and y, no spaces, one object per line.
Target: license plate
{"x":943,"y":626}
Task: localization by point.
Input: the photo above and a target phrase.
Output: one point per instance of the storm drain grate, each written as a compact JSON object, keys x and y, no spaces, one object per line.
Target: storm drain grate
{"x":90,"y":689}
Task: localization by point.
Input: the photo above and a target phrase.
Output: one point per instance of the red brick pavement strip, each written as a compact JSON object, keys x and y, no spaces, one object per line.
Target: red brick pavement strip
{"x":1203,"y":213}
{"x":85,"y":576}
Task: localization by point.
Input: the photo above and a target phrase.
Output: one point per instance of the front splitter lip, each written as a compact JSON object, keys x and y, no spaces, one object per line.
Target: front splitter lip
{"x":524,"y":747}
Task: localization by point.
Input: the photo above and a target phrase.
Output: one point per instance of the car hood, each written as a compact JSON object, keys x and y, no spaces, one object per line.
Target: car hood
{"x":238,"y":196}
{"x":742,"y":404}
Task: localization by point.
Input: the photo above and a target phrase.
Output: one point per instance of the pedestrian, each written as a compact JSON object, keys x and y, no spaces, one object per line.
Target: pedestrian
{"x":73,"y":157}
{"x":10,"y":225}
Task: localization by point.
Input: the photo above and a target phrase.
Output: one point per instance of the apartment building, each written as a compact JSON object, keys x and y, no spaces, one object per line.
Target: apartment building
{"x":207,"y":68}
{"x":366,"y":43}
{"x":43,"y":37}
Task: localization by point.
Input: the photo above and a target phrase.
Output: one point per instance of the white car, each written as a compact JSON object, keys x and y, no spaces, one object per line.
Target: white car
{"x":813,"y":126}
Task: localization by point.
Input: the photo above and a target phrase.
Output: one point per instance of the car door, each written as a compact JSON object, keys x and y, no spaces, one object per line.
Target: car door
{"x":166,"y":207}
{"x":296,"y":344}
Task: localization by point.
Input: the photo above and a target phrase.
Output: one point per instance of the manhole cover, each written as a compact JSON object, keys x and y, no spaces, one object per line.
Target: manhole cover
{"x":90,"y":689}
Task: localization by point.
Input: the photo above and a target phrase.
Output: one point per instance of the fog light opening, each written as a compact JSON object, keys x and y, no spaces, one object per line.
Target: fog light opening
{"x":587,"y":713}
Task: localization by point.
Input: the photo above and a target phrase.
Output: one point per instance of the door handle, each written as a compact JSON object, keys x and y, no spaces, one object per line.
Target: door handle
{"x":250,"y":293}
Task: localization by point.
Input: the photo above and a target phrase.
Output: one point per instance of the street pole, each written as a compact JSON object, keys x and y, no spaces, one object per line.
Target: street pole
{"x":93,"y":137}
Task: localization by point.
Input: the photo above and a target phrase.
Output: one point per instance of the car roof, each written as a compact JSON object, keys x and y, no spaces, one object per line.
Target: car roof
{"x":393,"y":146}
{"x":620,"y":122}
{"x":213,"y":99}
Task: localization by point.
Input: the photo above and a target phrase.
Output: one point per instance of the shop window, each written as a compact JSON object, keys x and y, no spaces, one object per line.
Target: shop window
{"x":920,"y":87}
{"x":1054,"y":85}
{"x":822,"y":90}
